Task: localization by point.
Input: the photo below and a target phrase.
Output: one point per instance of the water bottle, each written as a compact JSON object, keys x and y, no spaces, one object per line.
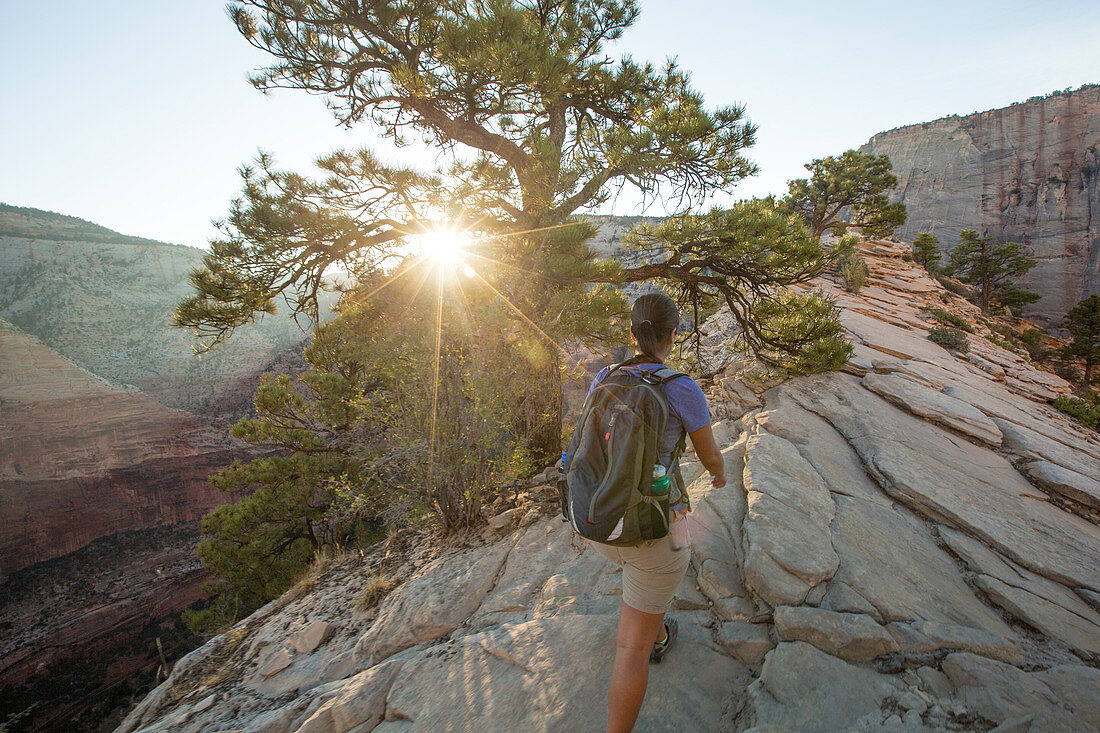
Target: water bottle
{"x":660,"y":480}
{"x":563,"y":493}
{"x":679,"y":535}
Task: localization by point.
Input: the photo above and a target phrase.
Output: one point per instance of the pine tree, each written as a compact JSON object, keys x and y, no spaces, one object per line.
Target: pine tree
{"x":926,"y":251}
{"x":991,"y":267}
{"x":537,"y":124}
{"x":1083,"y":323}
{"x":847,"y":191}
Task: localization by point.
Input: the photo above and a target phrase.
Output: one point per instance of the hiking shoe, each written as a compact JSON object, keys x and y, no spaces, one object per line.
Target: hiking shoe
{"x":659,"y":650}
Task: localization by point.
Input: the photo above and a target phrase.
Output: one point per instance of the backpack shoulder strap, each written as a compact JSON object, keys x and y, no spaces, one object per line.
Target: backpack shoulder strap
{"x":666,"y":375}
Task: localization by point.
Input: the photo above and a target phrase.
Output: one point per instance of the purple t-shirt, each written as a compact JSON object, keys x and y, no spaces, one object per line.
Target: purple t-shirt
{"x":688,"y":409}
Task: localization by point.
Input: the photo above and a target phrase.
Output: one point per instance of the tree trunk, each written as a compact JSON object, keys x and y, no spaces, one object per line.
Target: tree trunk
{"x":544,"y":413}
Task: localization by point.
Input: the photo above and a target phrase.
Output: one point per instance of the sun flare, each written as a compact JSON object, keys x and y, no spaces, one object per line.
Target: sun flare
{"x":444,"y":247}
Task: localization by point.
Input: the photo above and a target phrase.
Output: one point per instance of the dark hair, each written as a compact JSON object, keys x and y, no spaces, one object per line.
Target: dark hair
{"x":652,"y":319}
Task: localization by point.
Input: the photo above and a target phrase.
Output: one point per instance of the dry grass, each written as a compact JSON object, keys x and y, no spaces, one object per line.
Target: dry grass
{"x":307,"y":581}
{"x":378,"y":586}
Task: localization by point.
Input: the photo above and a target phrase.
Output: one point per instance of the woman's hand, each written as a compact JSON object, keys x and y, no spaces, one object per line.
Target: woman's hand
{"x":709,"y":454}
{"x":676,"y":514}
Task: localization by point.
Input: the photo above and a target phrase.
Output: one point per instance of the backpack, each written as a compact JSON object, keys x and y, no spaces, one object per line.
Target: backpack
{"x":606,"y":487}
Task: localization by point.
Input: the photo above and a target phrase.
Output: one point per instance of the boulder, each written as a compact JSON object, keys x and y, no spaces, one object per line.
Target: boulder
{"x":312,"y":636}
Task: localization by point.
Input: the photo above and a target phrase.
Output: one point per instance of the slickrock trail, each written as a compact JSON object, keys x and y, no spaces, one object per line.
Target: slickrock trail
{"x":907,"y":545}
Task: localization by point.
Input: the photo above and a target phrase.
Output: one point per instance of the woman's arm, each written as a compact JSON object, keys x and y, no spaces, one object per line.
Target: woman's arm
{"x":707,"y":451}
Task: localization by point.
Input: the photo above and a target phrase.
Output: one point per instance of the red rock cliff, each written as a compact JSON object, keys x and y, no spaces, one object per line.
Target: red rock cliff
{"x":80,"y":459}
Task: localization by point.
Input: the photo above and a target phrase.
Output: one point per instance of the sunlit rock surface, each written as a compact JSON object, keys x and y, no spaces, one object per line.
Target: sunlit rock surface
{"x":879,"y":560}
{"x":1027,"y":173}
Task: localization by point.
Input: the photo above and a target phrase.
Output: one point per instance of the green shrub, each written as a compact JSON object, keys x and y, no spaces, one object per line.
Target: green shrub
{"x":853,"y":269}
{"x":994,"y":338}
{"x":1084,"y":411}
{"x":1032,"y":339}
{"x":955,"y":286}
{"x":951,"y":319}
{"x":951,"y":338}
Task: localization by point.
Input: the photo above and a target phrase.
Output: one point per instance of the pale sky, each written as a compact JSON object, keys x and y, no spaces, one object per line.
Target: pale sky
{"x":136,"y":115}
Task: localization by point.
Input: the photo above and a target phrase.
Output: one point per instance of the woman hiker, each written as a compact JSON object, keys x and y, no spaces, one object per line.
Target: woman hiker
{"x":653,"y":569}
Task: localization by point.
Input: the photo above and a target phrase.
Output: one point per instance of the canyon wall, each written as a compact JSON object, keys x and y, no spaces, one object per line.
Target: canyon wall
{"x":82,"y":459}
{"x":1026,"y":173}
{"x":104,"y":300}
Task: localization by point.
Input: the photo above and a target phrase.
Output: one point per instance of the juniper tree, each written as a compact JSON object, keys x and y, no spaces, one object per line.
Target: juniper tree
{"x":991,"y":267}
{"x":403,"y":407}
{"x":1083,"y":323}
{"x":353,"y":451}
{"x":848,"y":191}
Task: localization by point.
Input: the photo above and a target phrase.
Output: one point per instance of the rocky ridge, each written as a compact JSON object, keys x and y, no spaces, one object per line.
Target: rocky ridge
{"x":1027,"y":173}
{"x":910,"y":544}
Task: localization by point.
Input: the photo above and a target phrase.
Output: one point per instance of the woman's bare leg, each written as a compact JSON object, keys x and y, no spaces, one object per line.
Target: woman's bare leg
{"x":638,"y":631}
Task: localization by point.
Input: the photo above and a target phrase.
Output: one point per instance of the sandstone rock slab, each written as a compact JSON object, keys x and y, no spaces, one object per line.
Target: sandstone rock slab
{"x":787,"y":546}
{"x":878,"y":548}
{"x":358,"y":701}
{"x":850,"y":636}
{"x":1028,"y":443}
{"x":928,"y":636}
{"x":538,"y":552}
{"x":436,"y":601}
{"x":955,"y":481}
{"x":821,"y":445}
{"x":528,"y":677}
{"x":804,"y":689}
{"x":1038,"y":602}
{"x":1064,"y":481}
{"x":746,"y":641}
{"x":1050,"y":618}
{"x":994,"y":690}
{"x":1077,"y":687}
{"x":934,"y":406}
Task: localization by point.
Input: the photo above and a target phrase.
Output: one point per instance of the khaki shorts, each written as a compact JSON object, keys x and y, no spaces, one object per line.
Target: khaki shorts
{"x":652,"y":571}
